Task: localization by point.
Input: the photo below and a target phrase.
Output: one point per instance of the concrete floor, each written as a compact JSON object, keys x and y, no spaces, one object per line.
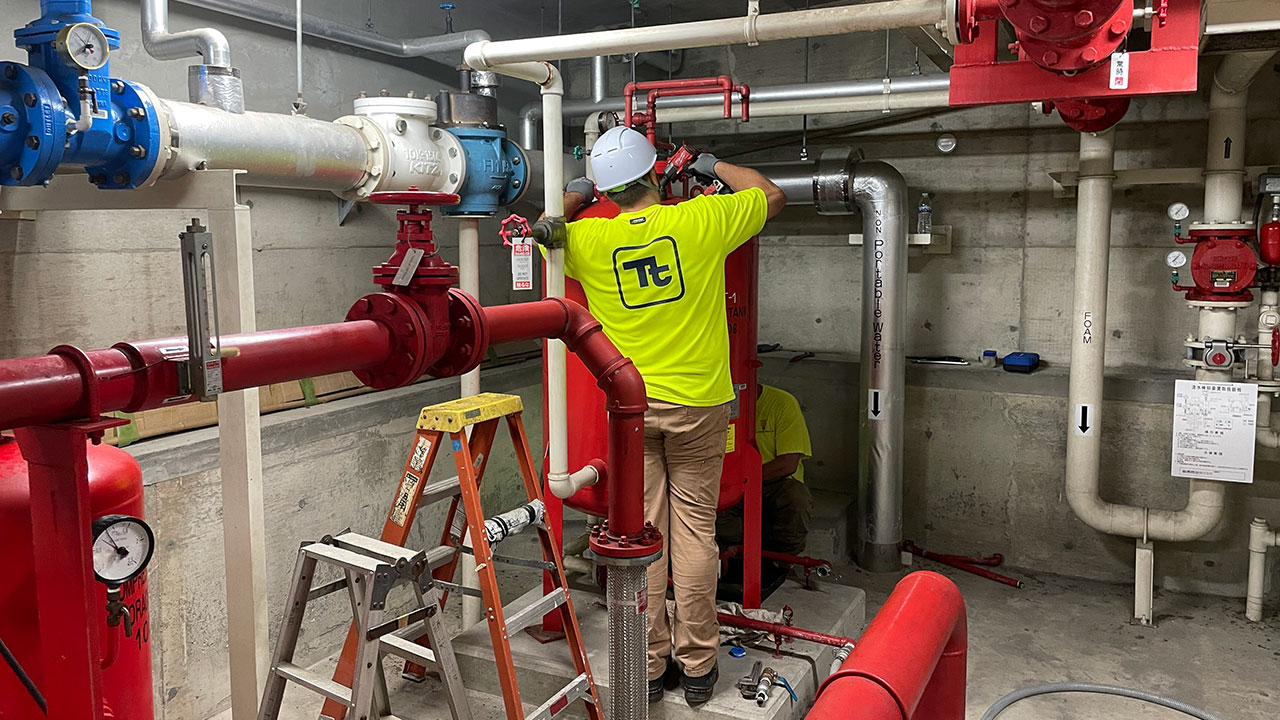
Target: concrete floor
{"x":1202,"y":650}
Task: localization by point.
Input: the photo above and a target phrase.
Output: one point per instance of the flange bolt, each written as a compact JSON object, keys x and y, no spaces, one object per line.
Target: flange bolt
{"x":33,"y":142}
{"x":8,"y":118}
{"x":138,"y":151}
{"x":15,"y":172}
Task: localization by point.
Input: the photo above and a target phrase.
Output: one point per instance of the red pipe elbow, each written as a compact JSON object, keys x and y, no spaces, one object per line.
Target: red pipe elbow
{"x":914,"y":652}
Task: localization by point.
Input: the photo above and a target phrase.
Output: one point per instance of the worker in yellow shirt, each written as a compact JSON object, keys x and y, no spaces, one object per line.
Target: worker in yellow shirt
{"x":783,"y":441}
{"x":654,"y":278}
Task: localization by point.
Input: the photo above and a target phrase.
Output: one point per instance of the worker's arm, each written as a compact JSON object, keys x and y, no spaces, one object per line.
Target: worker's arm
{"x":579,"y":192}
{"x":740,"y":178}
{"x":780,"y":467}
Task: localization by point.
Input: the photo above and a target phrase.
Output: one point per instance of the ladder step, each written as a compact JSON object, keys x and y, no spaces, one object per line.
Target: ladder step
{"x":343,"y":558}
{"x":327,"y":589}
{"x":533,"y":612}
{"x":315,"y":683}
{"x":455,"y":415}
{"x":439,"y":490}
{"x":409,"y":650}
{"x":569,"y":694}
{"x":456,"y":588}
{"x":386,"y":552}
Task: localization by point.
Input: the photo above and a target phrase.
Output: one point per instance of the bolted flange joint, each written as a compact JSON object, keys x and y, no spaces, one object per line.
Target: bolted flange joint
{"x":612,"y":549}
{"x":411,"y":344}
{"x":468,"y":336}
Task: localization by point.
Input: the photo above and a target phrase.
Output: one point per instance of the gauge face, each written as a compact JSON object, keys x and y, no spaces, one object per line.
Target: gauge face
{"x":1175,"y":259}
{"x":83,"y":45}
{"x":946,"y":142}
{"x":1179,"y":212}
{"x":122,"y":547}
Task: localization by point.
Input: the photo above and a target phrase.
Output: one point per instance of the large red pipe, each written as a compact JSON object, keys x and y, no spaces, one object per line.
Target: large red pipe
{"x":910,"y":662}
{"x":623,"y":387}
{"x":137,"y":376}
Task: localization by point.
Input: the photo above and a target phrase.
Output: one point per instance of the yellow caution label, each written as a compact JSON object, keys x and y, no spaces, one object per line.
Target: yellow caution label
{"x":729,"y":443}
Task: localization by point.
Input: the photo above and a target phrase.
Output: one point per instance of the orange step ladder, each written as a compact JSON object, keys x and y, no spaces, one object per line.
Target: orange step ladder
{"x":448,"y":422}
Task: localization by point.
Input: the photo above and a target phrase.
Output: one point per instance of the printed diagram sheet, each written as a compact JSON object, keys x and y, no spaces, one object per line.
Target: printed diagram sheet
{"x":1214,"y":430}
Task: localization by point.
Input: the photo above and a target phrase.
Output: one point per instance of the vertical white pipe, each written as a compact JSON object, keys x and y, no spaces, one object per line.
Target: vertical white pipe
{"x":1224,"y":168}
{"x":599,"y":78}
{"x":553,"y":189}
{"x":297,"y":39}
{"x":469,"y":282}
{"x":1261,"y":537}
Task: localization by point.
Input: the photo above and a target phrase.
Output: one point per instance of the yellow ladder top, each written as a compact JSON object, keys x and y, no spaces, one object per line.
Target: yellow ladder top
{"x":455,"y":415}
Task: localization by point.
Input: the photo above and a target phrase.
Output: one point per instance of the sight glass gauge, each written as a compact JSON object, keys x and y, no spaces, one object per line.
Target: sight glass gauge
{"x":122,"y":547}
{"x":82,"y":45}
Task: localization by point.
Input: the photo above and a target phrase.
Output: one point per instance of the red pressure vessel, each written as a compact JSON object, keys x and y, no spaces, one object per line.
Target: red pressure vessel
{"x":115,"y":486}
{"x":588,"y":432}
{"x":1269,"y":243}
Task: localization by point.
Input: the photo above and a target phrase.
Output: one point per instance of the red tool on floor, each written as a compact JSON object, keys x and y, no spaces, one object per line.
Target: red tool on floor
{"x":966,"y":563}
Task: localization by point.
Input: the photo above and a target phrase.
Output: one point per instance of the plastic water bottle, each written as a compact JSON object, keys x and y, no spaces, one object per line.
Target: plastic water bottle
{"x":924,"y":215}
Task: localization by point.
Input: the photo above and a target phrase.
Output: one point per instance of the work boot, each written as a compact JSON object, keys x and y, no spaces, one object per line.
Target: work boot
{"x":655,"y":691}
{"x":698,"y":690}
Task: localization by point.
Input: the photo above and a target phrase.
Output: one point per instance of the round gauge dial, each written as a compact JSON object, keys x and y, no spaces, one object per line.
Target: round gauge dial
{"x":1179,"y":212}
{"x":82,"y":45}
{"x":946,"y":142}
{"x":122,"y":547}
{"x":1175,"y":259}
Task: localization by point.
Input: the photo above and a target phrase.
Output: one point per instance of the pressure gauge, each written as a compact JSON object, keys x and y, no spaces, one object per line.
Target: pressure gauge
{"x":1175,"y":259}
{"x":82,"y":45}
{"x":946,"y":142}
{"x":1179,"y":212}
{"x":122,"y":547}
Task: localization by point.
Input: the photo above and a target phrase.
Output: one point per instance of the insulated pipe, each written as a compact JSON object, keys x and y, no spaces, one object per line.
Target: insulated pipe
{"x":909,"y":663}
{"x":1261,"y":537}
{"x":839,"y":184}
{"x":275,"y":150}
{"x":1084,"y":436}
{"x":137,"y":376}
{"x":897,"y":101}
{"x":207,"y":43}
{"x":448,"y":46}
{"x":759,"y":28}
{"x":1224,"y":169}
{"x":760,"y":96}
{"x":599,"y":78}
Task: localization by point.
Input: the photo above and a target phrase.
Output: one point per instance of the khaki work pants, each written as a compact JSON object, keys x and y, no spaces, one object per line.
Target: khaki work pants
{"x":683,"y":459}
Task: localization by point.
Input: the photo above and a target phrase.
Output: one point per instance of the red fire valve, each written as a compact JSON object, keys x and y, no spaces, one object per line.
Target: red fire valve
{"x":1223,"y":266}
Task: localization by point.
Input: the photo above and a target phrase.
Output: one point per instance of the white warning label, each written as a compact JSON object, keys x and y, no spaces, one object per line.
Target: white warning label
{"x":420,"y":452}
{"x":1214,"y":430}
{"x":400,"y":511}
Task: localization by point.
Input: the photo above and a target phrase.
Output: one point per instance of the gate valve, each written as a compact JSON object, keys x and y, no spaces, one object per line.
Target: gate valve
{"x":514,"y":226}
{"x":414,"y":266}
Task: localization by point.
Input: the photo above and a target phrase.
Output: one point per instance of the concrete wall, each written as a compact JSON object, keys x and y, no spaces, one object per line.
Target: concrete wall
{"x":325,"y":468}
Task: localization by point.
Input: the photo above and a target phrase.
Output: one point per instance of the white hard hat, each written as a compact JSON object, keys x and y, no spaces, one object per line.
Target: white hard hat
{"x":620,"y":157}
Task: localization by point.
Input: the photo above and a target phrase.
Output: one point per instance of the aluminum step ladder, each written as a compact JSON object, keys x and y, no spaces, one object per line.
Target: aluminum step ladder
{"x":448,"y":423}
{"x":370,"y":570}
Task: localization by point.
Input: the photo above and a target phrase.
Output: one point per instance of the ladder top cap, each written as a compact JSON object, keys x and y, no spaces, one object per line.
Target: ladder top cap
{"x":455,"y":415}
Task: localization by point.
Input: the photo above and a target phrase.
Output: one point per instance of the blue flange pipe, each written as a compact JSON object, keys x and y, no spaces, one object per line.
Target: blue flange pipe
{"x":497,"y":171}
{"x":41,"y":101}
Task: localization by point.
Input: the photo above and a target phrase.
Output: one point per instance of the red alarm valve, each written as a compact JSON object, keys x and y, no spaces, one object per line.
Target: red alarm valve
{"x":1223,"y":265}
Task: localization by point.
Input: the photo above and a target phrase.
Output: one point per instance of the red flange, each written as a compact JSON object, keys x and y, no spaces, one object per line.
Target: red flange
{"x":1068,"y":36}
{"x":1091,"y":115}
{"x":411,"y":343}
{"x":609,"y":545}
{"x":468,"y":336}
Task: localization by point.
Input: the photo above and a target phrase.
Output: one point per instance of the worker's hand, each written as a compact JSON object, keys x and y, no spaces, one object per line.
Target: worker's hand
{"x":551,"y":232}
{"x":704,"y":166}
{"x":583,"y":187}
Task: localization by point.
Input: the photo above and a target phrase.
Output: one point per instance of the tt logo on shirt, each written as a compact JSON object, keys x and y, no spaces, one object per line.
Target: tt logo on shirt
{"x":648,"y":274}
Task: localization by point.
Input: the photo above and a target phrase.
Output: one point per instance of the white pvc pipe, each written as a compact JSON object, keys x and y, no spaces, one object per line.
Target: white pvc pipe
{"x":1089,"y":322}
{"x":575,"y":481}
{"x":1224,"y":168}
{"x":469,"y":282}
{"x":888,"y":15}
{"x":1261,"y":537}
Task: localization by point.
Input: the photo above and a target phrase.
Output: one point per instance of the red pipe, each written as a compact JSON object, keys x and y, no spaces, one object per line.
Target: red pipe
{"x":967,"y":564}
{"x":913,"y":654}
{"x":746,"y":623}
{"x":136,"y":376}
{"x":623,"y":387}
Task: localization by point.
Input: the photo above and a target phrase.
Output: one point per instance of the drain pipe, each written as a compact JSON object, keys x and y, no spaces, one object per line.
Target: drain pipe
{"x":840,"y":184}
{"x":215,"y":82}
{"x":443,"y":48}
{"x":1261,"y":537}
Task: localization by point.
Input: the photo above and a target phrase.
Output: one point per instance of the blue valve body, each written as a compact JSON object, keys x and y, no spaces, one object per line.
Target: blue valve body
{"x":497,"y":171}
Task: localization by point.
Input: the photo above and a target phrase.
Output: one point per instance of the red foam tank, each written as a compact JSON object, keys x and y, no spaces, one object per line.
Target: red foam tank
{"x":115,"y":486}
{"x":587,"y":419}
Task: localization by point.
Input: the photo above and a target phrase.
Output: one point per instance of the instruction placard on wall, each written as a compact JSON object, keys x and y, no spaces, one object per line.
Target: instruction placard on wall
{"x":1214,"y":430}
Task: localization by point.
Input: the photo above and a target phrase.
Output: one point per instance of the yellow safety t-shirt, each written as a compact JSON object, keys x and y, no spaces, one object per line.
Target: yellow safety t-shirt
{"x":655,"y":280}
{"x":780,"y":428}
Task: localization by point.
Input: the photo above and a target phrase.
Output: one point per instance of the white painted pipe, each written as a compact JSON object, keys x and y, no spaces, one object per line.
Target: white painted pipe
{"x":1089,"y":322}
{"x":469,"y":282}
{"x":815,"y":106}
{"x":889,"y":15}
{"x":207,"y":43}
{"x":573,"y":482}
{"x":1224,"y":169}
{"x":1261,"y":537}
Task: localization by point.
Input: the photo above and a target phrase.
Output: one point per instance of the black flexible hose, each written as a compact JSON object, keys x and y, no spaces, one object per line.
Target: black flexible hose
{"x":1077,"y":687}
{"x":23,"y":677}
